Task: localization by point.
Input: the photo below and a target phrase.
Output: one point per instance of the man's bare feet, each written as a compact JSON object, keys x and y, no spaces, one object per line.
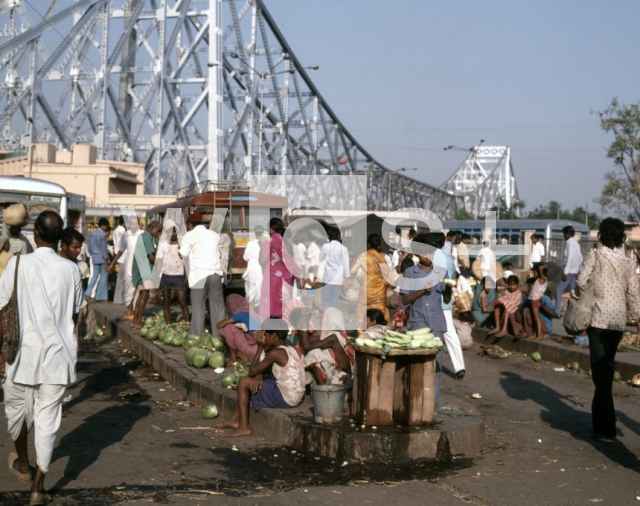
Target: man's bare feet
{"x":536,"y":338}
{"x":494,"y":331}
{"x":136,"y":325}
{"x":226,"y":424}
{"x":239,"y":433}
{"x":502,"y":333}
{"x":127,"y":317}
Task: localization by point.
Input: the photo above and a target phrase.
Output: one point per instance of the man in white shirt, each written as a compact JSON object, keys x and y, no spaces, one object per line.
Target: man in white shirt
{"x":116,"y":235}
{"x":253,"y":275}
{"x":537,"y":250}
{"x":448,"y":242}
{"x":313,"y":260}
{"x":50,"y":296}
{"x":572,"y":262}
{"x":126,"y":252}
{"x":336,"y":268}
{"x":487,"y":261}
{"x":201,"y":248}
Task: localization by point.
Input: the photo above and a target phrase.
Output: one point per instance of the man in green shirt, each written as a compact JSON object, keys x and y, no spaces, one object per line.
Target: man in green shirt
{"x":143,"y":274}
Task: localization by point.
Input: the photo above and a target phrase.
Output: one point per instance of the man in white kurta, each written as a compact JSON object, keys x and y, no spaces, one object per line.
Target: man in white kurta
{"x":253,"y":275}
{"x":116,"y":235}
{"x":49,"y":296}
{"x":124,"y":259}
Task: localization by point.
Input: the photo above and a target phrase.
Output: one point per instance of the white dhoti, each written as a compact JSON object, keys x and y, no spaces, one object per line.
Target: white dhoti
{"x":252,"y":281}
{"x":39,"y":406}
{"x":129,"y":292}
{"x":118,"y":296}
{"x":452,"y":341}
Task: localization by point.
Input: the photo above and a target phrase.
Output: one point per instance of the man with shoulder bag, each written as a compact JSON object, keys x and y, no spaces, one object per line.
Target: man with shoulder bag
{"x":40,"y":299}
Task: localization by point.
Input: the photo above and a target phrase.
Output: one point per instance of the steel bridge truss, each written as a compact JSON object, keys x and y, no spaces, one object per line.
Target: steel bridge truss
{"x":148,"y":81}
{"x":485,"y":181}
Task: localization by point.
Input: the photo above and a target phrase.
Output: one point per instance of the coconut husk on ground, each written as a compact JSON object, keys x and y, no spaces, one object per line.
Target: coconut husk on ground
{"x":494,"y":351}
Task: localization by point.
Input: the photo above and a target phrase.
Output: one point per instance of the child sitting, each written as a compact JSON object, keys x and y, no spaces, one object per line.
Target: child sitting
{"x":285,"y":391}
{"x":510,"y":303}
{"x":401,"y":316}
{"x":464,"y":323}
{"x":535,"y":296}
{"x":481,"y":305}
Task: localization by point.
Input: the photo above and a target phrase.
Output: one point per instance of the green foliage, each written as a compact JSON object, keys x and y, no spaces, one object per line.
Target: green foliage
{"x":553,"y":210}
{"x":462,"y":214}
{"x":503,"y":212}
{"x":621,"y":192}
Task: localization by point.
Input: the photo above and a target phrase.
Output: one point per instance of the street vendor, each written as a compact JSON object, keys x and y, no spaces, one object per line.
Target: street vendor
{"x":421,"y":288}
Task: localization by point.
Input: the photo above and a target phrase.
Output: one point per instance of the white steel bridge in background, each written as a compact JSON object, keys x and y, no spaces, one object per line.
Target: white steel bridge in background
{"x":196,"y":90}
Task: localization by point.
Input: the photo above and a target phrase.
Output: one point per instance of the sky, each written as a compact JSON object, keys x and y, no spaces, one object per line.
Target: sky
{"x":409,"y":77}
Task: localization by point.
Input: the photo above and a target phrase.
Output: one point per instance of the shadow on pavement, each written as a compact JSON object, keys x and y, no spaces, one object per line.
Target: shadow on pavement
{"x":85,"y":443}
{"x":559,"y":415}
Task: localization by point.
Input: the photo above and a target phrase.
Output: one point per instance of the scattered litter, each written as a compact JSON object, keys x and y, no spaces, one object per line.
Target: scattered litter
{"x":308,"y":491}
{"x":595,"y":500}
{"x":67,"y":398}
{"x":129,"y":393}
{"x":234,"y":449}
{"x":219,"y":370}
{"x":539,"y":440}
{"x":293,"y":451}
{"x":561,"y":470}
{"x":195,"y":428}
{"x":476,"y":396}
{"x":253,"y":458}
{"x":162,"y":390}
{"x":275,"y":455}
{"x":157,"y":429}
{"x":120,"y":488}
{"x":169,"y":386}
{"x":345,"y":463}
{"x":170,"y":430}
{"x":495,"y":351}
{"x":374,"y":427}
{"x":559,"y":369}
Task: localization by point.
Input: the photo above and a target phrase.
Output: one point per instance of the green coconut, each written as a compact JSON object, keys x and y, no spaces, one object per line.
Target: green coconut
{"x":209,"y":412}
{"x":162,"y":332}
{"x":188,"y":356}
{"x":616,"y":376}
{"x":152,"y":334}
{"x":190,"y":342}
{"x":144,"y":331}
{"x":228,"y":380}
{"x":150,"y":322}
{"x":168,"y":336}
{"x":216,"y":360}
{"x":218,"y":344}
{"x":207,"y":341}
{"x":160,"y":314}
{"x":200,"y":358}
{"x":98,"y":332}
{"x":161,"y":323}
{"x":575,"y":366}
{"x":536,"y":356}
{"x":176,"y":340}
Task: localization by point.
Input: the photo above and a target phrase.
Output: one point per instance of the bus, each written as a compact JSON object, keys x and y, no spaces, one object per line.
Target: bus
{"x":38,"y":196}
{"x":246,"y":208}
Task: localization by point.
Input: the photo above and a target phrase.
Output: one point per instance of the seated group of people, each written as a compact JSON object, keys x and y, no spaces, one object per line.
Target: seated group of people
{"x":521,"y":312}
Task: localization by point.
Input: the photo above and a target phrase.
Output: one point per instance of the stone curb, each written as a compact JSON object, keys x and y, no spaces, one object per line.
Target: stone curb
{"x":459,"y":431}
{"x":627,"y":363}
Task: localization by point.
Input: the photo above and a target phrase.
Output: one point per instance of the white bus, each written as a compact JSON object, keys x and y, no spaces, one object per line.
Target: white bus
{"x":38,"y":196}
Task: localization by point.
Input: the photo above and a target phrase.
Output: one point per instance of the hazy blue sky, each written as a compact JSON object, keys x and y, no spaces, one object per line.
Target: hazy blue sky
{"x":409,"y":77}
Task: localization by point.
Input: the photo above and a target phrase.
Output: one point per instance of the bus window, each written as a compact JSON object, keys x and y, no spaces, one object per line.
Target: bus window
{"x":235,"y":218}
{"x":275,"y":213}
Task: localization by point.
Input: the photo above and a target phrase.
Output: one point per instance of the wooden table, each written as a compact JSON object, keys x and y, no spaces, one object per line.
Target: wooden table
{"x":402,"y":387}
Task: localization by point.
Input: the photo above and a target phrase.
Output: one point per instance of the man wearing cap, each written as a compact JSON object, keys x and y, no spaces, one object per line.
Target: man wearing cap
{"x":200,"y":246}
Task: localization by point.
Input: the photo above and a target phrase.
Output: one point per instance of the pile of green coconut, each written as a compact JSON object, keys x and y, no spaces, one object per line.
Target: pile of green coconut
{"x":200,"y":351}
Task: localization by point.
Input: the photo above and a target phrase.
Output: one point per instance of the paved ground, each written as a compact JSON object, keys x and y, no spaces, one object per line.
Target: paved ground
{"x":148,"y":446}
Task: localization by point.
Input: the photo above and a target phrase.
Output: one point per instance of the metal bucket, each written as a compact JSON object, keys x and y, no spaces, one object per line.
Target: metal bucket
{"x":328,"y":401}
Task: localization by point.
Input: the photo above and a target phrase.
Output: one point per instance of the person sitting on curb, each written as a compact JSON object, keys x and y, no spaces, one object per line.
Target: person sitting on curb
{"x":285,"y":391}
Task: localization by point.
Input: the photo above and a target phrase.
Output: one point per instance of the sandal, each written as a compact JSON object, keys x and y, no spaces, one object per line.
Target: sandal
{"x":23,"y":477}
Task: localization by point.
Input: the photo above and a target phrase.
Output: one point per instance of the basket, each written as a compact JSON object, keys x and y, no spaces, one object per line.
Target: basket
{"x":463,"y":301}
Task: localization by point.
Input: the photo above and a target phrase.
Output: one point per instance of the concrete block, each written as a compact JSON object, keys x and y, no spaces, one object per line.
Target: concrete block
{"x":84,"y":154}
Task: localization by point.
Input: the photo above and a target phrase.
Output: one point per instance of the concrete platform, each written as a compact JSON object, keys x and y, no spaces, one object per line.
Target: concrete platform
{"x":627,"y":363}
{"x":458,"y":431}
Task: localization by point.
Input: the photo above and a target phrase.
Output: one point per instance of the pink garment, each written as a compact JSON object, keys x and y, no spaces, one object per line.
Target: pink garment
{"x":276,"y":279}
{"x":239,"y":340}
{"x":537,"y":290}
{"x":238,"y":304}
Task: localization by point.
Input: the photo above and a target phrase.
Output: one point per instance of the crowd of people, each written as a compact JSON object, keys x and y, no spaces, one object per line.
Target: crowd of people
{"x":290,"y":327}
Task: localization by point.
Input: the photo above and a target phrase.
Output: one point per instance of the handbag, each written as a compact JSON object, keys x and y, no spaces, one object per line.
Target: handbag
{"x":11,"y":322}
{"x":577,"y":319}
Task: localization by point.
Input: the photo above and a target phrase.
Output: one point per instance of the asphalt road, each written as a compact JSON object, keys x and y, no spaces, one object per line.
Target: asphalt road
{"x":129,"y":438}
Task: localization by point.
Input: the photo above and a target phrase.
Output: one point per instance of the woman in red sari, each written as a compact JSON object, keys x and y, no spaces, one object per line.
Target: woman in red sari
{"x":276,"y":279}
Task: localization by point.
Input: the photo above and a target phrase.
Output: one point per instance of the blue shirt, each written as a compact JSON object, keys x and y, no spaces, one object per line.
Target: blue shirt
{"x":546,"y":302}
{"x":426,"y":311}
{"x":443,"y":261}
{"x":247,"y":319}
{"x":97,"y":245}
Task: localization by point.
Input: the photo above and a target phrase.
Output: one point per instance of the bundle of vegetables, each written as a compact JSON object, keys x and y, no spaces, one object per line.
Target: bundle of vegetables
{"x":412,"y":340}
{"x":629,"y":342}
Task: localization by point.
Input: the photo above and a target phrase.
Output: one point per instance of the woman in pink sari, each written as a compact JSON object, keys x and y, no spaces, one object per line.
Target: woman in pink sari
{"x":237,"y":331}
{"x":276,"y":279}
